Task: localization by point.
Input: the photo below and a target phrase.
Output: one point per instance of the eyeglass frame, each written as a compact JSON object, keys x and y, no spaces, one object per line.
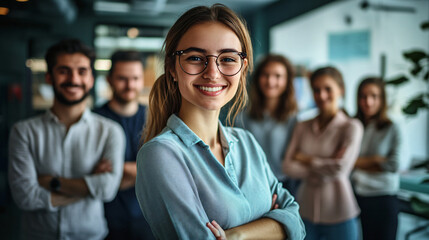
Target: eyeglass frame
{"x":242,"y":55}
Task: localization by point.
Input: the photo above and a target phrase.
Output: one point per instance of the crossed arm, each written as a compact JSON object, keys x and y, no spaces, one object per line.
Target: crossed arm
{"x":370,"y":163}
{"x":72,"y":189}
{"x":129,"y":175}
{"x":258,"y":229}
{"x":387,"y":162}
{"x":300,"y":165}
{"x":31,"y":190}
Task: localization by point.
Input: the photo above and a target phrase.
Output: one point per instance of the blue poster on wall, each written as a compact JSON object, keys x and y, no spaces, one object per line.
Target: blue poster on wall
{"x":349,"y":45}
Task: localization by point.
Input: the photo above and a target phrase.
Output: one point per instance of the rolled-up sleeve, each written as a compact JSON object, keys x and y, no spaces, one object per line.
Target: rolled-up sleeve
{"x":167,"y":194}
{"x":288,"y":212}
{"x":22,"y":175}
{"x":105,"y":186}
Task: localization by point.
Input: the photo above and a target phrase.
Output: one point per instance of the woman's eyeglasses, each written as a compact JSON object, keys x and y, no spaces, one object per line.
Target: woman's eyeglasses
{"x":194,"y":62}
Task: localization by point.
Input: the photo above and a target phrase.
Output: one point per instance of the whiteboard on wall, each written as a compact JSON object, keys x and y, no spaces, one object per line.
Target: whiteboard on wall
{"x":349,"y":45}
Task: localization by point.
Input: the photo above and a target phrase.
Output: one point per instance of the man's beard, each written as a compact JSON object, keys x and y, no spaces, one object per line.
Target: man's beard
{"x":122,"y":100}
{"x":62,"y":99}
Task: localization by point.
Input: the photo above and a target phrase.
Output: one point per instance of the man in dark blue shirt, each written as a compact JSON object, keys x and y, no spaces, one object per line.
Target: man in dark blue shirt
{"x":124,"y":217}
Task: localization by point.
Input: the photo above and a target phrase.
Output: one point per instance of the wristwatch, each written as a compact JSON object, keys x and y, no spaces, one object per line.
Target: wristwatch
{"x":55,"y":184}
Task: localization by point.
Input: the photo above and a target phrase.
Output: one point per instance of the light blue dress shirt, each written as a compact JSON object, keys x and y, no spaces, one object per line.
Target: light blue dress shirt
{"x":181,"y":185}
{"x":272,"y":135}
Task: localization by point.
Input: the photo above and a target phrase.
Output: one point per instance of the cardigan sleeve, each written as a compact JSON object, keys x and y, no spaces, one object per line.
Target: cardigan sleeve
{"x":393,"y":156}
{"x":291,"y":167}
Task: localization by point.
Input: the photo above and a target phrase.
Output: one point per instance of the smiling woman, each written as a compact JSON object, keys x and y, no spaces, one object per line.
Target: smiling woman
{"x":197,"y":179}
{"x":207,"y":87}
{"x":322,"y":154}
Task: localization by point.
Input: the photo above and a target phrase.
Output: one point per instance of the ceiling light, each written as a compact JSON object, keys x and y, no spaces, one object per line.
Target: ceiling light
{"x":4,"y":11}
{"x":36,"y":65}
{"x":102,"y":64}
{"x":101,"y":6}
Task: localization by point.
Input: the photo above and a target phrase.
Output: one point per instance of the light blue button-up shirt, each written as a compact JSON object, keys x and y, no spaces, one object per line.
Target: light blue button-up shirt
{"x":272,"y":135}
{"x":181,"y":185}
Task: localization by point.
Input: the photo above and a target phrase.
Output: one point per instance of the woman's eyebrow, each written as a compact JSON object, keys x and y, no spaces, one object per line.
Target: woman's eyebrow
{"x":228,"y":50}
{"x":196,"y":49}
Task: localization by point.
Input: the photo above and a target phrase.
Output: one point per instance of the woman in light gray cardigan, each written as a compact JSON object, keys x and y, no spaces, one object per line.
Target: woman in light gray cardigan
{"x":376,"y":177}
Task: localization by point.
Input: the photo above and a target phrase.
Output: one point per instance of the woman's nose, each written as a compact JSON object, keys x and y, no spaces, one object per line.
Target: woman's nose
{"x":212,"y":70}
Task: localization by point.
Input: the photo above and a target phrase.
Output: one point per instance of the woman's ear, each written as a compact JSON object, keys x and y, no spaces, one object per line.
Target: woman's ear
{"x":245,"y":63}
{"x":173,"y":74}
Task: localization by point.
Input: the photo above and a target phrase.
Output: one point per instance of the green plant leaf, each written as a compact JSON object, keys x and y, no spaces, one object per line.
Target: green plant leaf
{"x":414,"y":105}
{"x":415,"y":56}
{"x":425,"y":25}
{"x":416,"y":70}
{"x":397,"y":80}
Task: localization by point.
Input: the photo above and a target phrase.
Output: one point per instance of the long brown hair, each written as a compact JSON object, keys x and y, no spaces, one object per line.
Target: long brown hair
{"x":165,"y":98}
{"x":287,"y":102}
{"x":381,"y":118}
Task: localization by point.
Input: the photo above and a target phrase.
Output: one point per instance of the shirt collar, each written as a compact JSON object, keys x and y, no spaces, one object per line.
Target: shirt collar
{"x":338,"y":118}
{"x":189,"y":138}
{"x":86,"y":116}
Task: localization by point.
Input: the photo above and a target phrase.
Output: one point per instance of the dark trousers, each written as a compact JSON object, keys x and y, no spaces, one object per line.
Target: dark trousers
{"x":130,"y":229}
{"x":379,"y":217}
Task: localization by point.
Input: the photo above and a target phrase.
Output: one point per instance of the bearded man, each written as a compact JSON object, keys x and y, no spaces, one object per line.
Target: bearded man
{"x":65,"y":163}
{"x":126,"y":80}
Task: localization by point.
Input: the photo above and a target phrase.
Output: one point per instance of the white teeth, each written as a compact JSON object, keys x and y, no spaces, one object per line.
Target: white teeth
{"x":210,"y":89}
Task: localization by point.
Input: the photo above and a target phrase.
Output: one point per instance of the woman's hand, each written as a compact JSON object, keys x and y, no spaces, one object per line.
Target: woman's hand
{"x":217,"y":230}
{"x":303,"y":158}
{"x":274,"y":205}
{"x":340,"y":152}
{"x":102,"y":166}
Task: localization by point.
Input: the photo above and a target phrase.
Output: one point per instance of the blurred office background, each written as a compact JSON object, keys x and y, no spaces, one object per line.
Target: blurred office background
{"x":361,"y":38}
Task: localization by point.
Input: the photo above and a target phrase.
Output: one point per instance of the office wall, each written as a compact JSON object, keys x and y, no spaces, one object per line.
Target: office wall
{"x":306,"y":41}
